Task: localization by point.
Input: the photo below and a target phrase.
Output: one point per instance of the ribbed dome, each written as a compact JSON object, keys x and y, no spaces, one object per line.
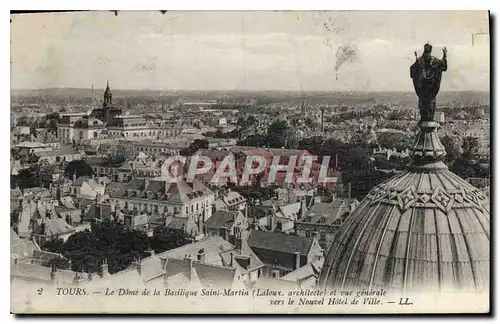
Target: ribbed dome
{"x":425,"y":229}
{"x":415,"y":231}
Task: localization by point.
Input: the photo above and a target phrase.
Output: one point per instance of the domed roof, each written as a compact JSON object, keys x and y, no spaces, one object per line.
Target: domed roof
{"x":424,"y":229}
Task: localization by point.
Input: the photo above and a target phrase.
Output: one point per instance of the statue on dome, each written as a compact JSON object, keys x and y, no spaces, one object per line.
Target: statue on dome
{"x":426,"y":74}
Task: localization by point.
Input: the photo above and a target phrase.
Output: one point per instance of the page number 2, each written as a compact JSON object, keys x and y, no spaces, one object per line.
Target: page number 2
{"x":40,"y":291}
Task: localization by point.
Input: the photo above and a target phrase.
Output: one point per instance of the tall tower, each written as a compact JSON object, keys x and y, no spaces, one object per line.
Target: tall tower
{"x":322,"y":119}
{"x":108,"y":97}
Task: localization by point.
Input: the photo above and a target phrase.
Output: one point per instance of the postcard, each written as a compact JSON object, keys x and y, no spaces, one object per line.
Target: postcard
{"x":250,"y":162}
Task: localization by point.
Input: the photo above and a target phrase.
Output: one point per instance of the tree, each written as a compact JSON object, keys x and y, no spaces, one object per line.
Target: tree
{"x":194,"y":147}
{"x":359,"y":140}
{"x":80,"y":168}
{"x":242,"y":122}
{"x":453,"y":149}
{"x":295,"y":122}
{"x":363,"y":181}
{"x":58,"y":263}
{"x":358,"y":170}
{"x":27,"y":178}
{"x":55,"y":245}
{"x":356,"y":158}
{"x":52,"y":121}
{"x":251,"y":120}
{"x":23,"y":121}
{"x":107,"y":240}
{"x":470,"y":147}
{"x":311,"y":123}
{"x":277,"y":133}
{"x":254,"y":140}
{"x":389,"y":140}
{"x":165,"y":239}
{"x":312,"y":144}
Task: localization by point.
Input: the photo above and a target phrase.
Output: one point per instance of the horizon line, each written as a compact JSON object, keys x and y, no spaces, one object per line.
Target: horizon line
{"x":235,"y":90}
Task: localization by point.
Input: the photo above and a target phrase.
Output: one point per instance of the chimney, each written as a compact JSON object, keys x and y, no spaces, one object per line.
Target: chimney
{"x":138,"y":265}
{"x":53,"y":274}
{"x":188,"y":263}
{"x":238,"y":242}
{"x":201,"y":219}
{"x":303,"y":207}
{"x":297,"y":260}
{"x":104,"y":269}
{"x":243,"y":261}
{"x":165,"y":280}
{"x":163,"y":263}
{"x":76,"y":278}
{"x":322,"y":119}
{"x":201,"y":256}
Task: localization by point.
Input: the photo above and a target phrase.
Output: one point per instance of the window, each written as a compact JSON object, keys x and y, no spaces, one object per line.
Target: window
{"x":187,"y":210}
{"x":322,"y":236}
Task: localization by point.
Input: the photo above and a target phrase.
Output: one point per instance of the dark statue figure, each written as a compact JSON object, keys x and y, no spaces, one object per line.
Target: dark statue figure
{"x":426,"y":74}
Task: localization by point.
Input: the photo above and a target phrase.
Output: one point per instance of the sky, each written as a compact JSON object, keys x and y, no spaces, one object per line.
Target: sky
{"x":252,"y":50}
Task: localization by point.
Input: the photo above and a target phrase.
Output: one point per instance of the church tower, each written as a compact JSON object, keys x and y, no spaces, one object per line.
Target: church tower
{"x":108,"y":97}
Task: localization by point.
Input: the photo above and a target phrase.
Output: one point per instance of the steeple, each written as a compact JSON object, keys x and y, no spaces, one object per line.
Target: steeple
{"x":108,"y":97}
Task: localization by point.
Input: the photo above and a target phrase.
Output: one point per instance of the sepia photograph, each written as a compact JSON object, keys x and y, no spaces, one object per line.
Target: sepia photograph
{"x":250,"y":162}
